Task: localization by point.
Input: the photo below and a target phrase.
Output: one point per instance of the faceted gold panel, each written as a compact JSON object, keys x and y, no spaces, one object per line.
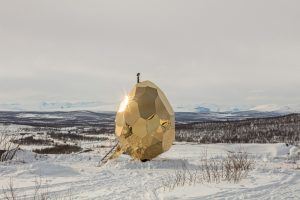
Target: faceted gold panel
{"x":132,"y":107}
{"x":145,"y":122}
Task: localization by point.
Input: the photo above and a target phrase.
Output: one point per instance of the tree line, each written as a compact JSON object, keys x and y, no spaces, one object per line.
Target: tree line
{"x":256,"y":130}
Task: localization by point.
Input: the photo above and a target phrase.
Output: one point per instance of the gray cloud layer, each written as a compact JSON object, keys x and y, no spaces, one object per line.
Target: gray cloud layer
{"x":224,"y":52}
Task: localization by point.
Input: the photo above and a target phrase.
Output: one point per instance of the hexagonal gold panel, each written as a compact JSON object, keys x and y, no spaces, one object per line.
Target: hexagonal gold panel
{"x":145,"y":122}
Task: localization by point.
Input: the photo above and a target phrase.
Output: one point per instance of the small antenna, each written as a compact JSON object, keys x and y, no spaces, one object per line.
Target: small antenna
{"x":138,"y":77}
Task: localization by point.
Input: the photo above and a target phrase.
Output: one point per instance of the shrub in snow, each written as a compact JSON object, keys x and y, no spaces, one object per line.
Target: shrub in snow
{"x":232,"y":168}
{"x":40,"y":192}
{"x":8,"y":155}
{"x":7,"y":148}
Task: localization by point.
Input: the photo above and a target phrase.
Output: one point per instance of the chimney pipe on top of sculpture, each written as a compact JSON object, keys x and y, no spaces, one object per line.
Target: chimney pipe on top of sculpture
{"x":138,"y":77}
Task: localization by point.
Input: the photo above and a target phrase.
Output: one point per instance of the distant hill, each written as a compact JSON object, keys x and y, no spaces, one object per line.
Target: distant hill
{"x":98,"y":106}
{"x":253,"y":130}
{"x":89,"y":118}
{"x":212,"y":127}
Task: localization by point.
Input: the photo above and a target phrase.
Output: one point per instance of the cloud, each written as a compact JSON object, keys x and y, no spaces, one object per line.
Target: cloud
{"x":196,"y":51}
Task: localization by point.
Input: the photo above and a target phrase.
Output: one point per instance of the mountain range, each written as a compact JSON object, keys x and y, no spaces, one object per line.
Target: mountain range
{"x":103,"y":106}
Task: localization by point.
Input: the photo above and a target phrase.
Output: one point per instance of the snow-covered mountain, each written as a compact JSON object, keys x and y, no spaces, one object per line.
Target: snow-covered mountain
{"x":102,"y":106}
{"x":207,"y":108}
{"x":276,"y":108}
{"x":59,"y":106}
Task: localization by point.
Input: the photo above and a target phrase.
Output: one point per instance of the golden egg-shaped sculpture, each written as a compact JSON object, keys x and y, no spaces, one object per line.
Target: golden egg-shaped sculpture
{"x":145,"y":122}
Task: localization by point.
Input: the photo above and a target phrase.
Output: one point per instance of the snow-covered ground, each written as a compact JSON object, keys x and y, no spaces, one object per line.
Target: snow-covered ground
{"x":77,"y":175}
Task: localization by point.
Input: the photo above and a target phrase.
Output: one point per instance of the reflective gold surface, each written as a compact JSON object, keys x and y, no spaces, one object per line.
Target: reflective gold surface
{"x":145,"y":122}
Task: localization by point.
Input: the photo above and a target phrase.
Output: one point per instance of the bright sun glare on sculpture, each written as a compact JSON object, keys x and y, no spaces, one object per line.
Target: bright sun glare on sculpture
{"x":123,"y":104}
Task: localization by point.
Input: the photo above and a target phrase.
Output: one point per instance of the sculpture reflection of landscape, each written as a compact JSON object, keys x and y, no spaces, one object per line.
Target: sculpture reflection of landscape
{"x":145,"y":122}
{"x":123,"y":104}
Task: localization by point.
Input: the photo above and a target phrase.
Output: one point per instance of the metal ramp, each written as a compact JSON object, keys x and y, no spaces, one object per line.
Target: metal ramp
{"x":108,"y":155}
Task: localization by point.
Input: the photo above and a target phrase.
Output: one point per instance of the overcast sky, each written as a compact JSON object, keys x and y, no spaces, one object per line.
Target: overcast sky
{"x":222,"y":52}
